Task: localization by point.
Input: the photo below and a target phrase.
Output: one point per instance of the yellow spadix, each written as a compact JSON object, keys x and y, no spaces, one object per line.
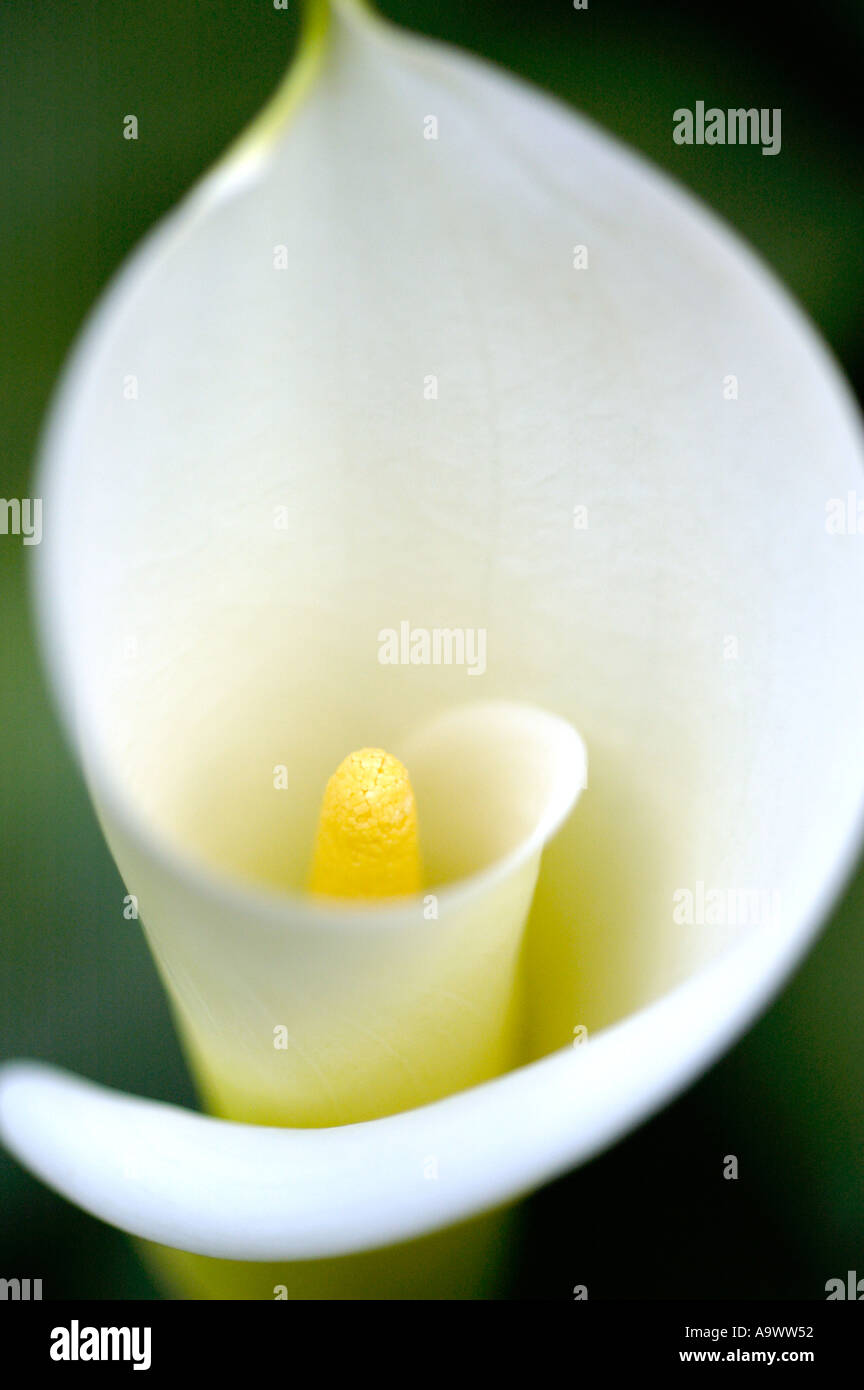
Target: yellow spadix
{"x":368,"y":844}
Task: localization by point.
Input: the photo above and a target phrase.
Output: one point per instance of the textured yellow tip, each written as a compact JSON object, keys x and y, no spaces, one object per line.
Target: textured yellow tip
{"x":367,"y":845}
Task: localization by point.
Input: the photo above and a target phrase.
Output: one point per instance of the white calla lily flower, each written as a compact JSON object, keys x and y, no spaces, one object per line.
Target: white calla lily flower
{"x":361,"y":383}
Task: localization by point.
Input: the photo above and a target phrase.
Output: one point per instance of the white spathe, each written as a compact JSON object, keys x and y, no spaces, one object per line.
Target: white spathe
{"x":374,"y":384}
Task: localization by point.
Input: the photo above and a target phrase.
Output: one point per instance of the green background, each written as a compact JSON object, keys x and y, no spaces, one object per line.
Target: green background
{"x":653,"y":1218}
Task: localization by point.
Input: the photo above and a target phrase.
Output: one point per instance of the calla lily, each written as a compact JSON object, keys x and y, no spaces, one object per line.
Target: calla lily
{"x":361,"y":379}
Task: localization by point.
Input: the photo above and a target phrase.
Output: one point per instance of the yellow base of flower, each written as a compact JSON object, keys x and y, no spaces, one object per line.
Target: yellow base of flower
{"x":463,"y":1262}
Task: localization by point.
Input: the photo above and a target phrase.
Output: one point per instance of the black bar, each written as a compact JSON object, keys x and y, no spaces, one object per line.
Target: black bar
{"x":244,"y":1338}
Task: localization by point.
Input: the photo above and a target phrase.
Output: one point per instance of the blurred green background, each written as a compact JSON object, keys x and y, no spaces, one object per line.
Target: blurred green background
{"x":654,"y":1217}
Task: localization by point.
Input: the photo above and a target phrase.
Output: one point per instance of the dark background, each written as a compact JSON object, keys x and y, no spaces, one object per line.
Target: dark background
{"x":653,"y":1218}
